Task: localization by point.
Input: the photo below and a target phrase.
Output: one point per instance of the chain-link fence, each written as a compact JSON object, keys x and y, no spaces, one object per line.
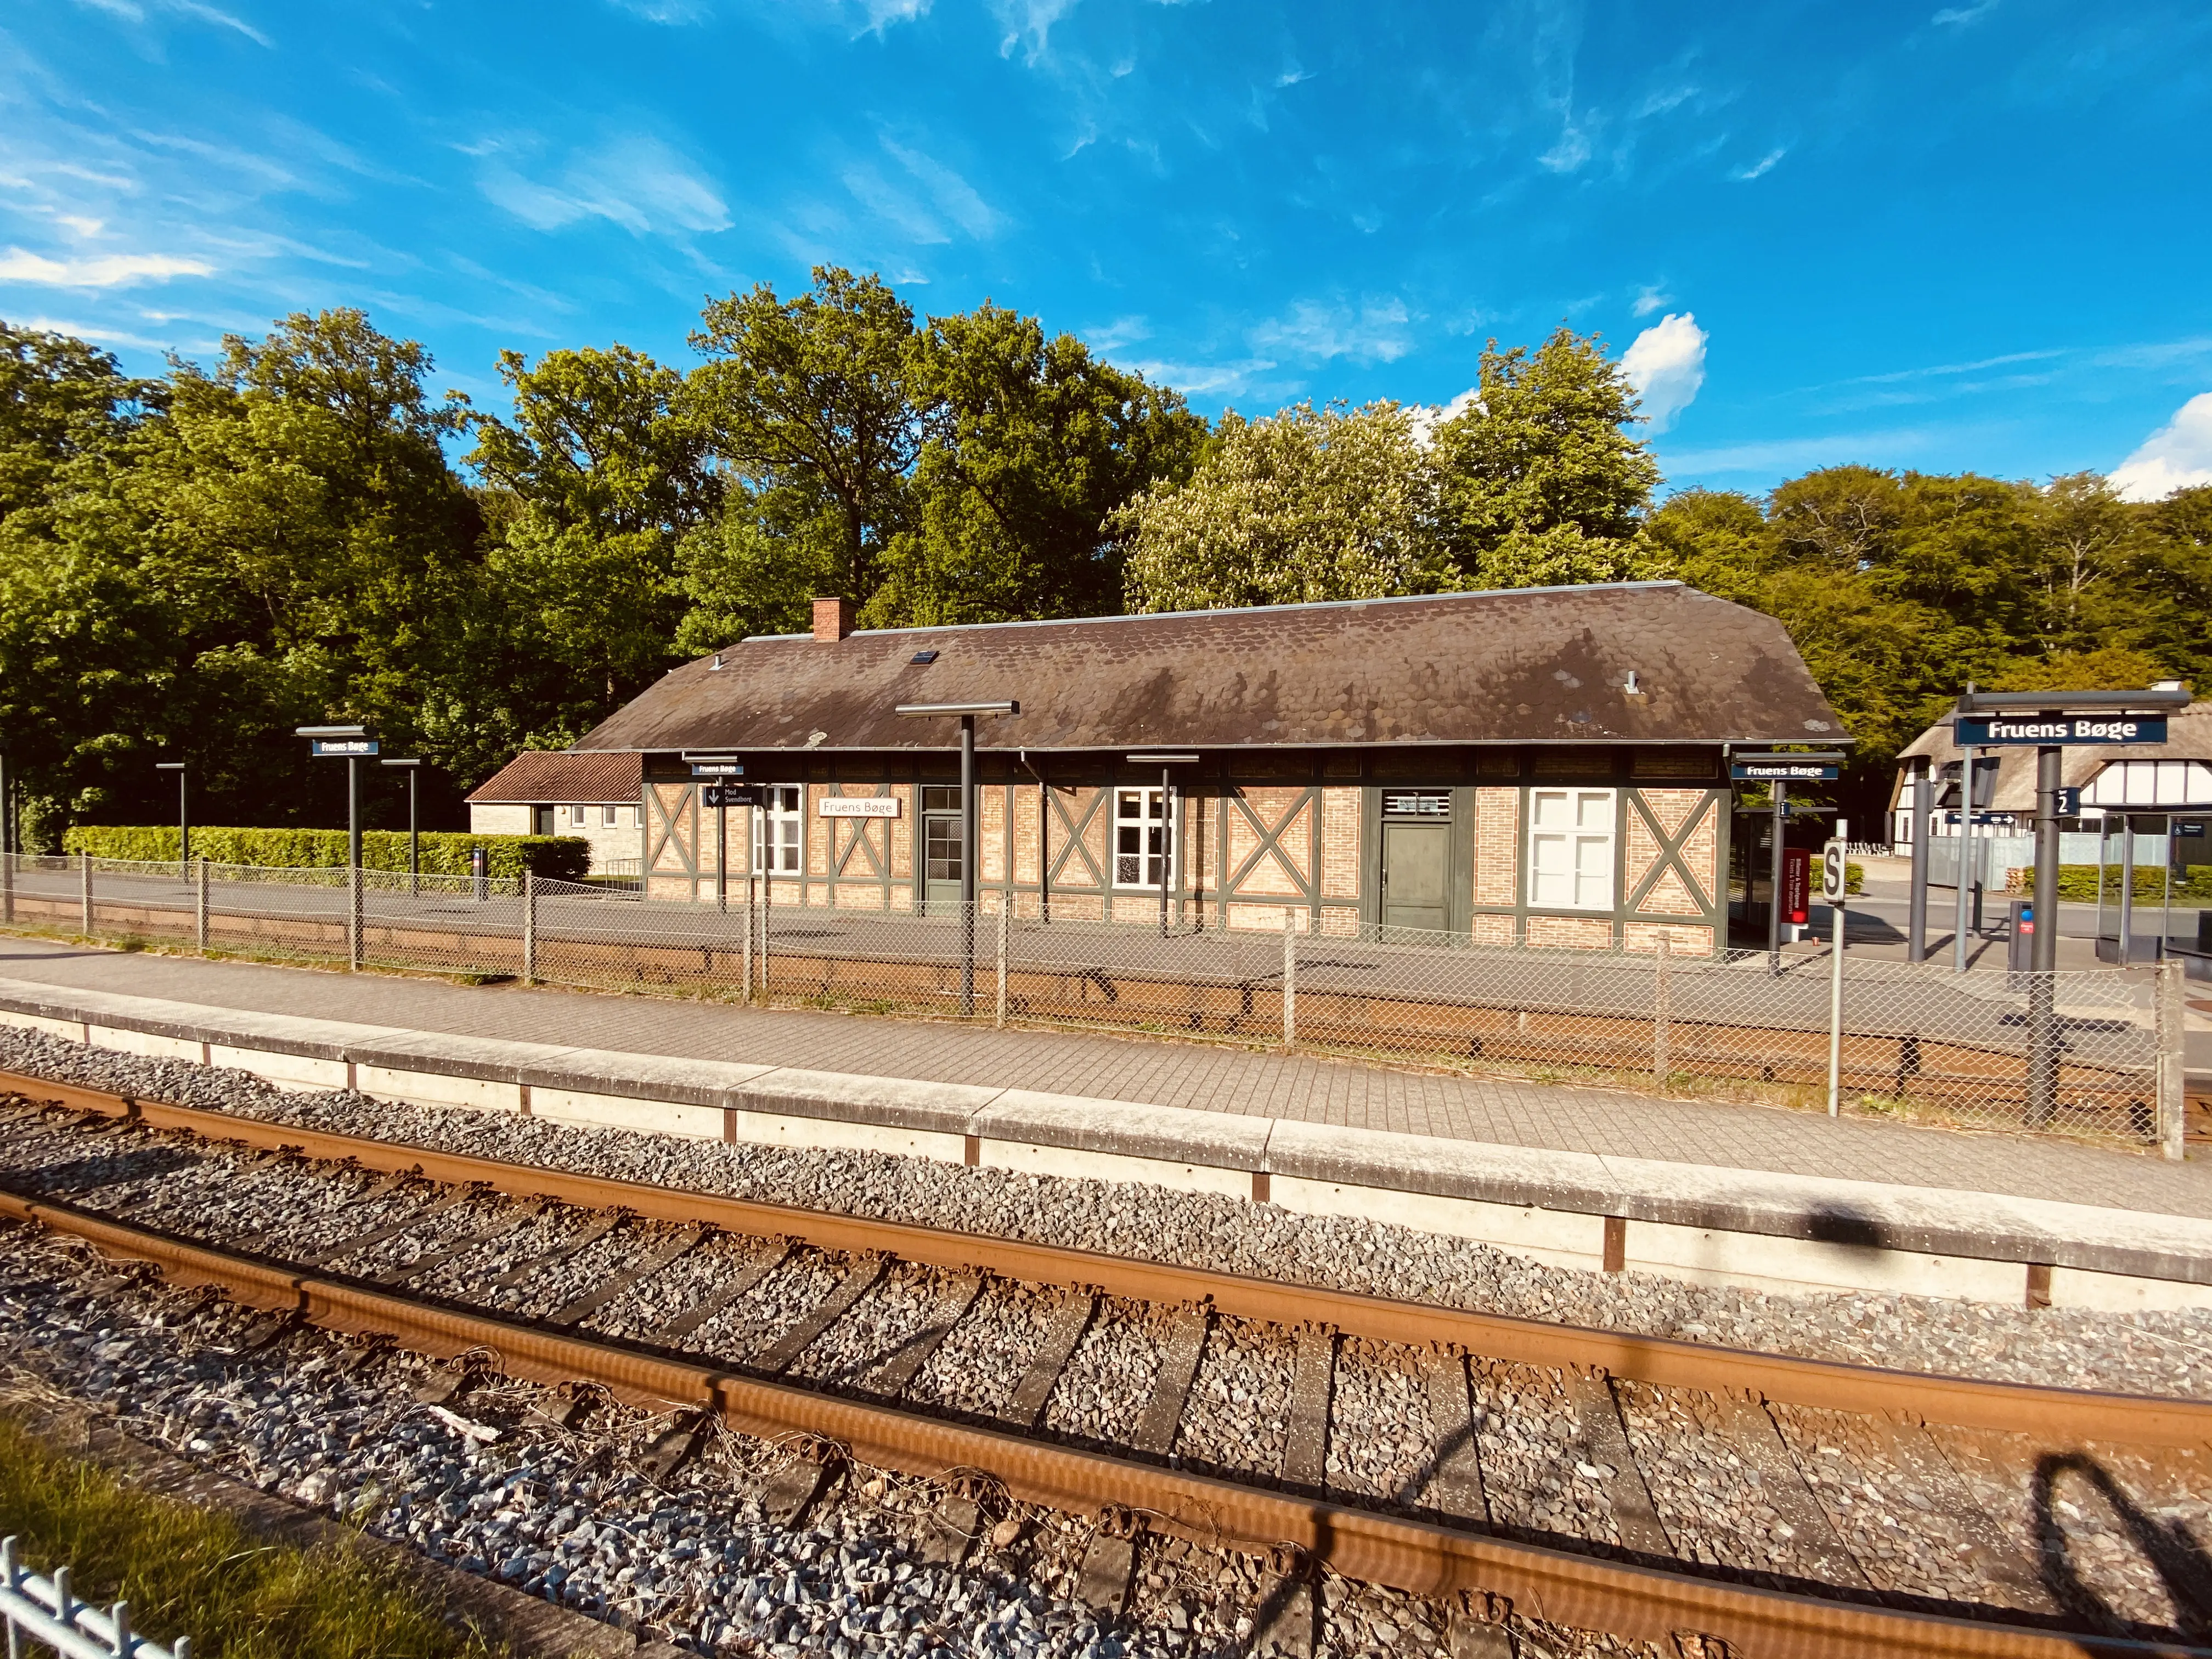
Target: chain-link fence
{"x":1919,"y":1042}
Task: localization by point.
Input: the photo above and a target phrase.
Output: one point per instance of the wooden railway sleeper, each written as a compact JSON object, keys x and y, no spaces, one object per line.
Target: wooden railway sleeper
{"x":860,"y":1276}
{"x":1107,"y":1571}
{"x":894,"y":1374}
{"x":1179,"y":1355}
{"x":1603,"y":1436}
{"x":1054,"y":1350}
{"x":766,"y":1262}
{"x":1313,"y":1378}
{"x":593,"y":1230}
{"x":589,"y":1304}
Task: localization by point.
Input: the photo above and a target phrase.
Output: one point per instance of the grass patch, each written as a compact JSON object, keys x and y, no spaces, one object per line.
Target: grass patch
{"x":196,"y":1573}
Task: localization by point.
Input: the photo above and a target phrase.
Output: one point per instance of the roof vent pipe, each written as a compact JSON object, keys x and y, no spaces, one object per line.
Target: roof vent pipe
{"x":833,"y":619}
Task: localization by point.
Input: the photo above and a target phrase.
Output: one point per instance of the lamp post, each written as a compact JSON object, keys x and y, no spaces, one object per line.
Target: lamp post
{"x":352,"y":745}
{"x":2049,"y":732}
{"x":1167,"y":820}
{"x":966,"y":713}
{"x":183,"y":817}
{"x":414,"y":836}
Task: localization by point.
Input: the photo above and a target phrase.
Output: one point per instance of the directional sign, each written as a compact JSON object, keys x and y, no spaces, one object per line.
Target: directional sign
{"x":731,"y":794}
{"x":2038,"y":731}
{"x":705,"y":768}
{"x":1783,"y":771}
{"x":343,"y":746}
{"x":1835,"y":873}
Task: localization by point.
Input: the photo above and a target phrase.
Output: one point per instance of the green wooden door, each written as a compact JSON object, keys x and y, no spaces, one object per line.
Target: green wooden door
{"x":1416,"y":875}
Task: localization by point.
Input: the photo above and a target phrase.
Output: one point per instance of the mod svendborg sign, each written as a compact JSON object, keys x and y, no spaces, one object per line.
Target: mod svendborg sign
{"x":2020,"y":731}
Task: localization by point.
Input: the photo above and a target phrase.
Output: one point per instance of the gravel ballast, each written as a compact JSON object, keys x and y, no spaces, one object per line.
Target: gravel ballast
{"x":2162,"y":1351}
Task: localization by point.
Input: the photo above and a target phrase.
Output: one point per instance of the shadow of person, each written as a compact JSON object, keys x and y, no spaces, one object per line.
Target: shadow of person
{"x":2183,"y":1569}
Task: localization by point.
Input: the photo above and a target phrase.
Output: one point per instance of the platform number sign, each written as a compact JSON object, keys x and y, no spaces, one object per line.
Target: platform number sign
{"x":1833,"y":873}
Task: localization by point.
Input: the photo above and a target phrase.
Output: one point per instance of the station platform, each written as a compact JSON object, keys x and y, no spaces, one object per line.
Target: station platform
{"x":1599,"y":1178}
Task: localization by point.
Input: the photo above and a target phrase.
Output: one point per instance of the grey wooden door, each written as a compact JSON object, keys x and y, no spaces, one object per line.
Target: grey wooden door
{"x":1416,"y":870}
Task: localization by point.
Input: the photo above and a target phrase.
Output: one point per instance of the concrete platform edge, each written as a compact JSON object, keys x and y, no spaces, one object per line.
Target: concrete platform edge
{"x":1767,"y":1230}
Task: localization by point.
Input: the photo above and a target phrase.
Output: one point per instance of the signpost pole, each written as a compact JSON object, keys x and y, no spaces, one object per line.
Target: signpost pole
{"x":2043,"y":963}
{"x":2173,"y":1100}
{"x":87,"y":871}
{"x":352,"y":811}
{"x":2127,"y":890}
{"x":414,"y":837}
{"x":184,"y":825}
{"x":968,"y":850}
{"x":1774,"y":879}
{"x":353,"y":919}
{"x":1835,"y":880}
{"x":748,"y":952}
{"x":1965,"y":861}
{"x":529,"y":925}
{"x":200,"y":905}
{"x":1916,"y":946}
{"x":721,"y":854}
{"x":1167,"y":840}
{"x":1003,"y":907}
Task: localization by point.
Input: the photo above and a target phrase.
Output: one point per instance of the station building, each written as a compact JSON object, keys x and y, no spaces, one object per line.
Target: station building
{"x":1541,"y":767}
{"x":598,"y":798}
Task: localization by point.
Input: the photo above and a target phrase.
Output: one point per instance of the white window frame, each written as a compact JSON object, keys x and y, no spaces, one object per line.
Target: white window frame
{"x":1574,"y":840}
{"x":784,"y":809}
{"x":1148,"y":792}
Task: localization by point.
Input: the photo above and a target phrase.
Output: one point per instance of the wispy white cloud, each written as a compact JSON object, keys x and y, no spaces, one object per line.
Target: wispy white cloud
{"x":1222,"y":379}
{"x":1028,"y":24}
{"x":131,"y":11}
{"x":2178,"y":456}
{"x":1650,"y":299}
{"x":1956,"y":17}
{"x":1665,"y":364}
{"x":638,"y":183}
{"x":1572,"y":151}
{"x":1935,"y":369}
{"x":1794,"y":454}
{"x":954,"y":195}
{"x":1376,"y":331}
{"x":893,"y":203}
{"x":1759,"y":169}
{"x":103,"y":270}
{"x":99,"y":336}
{"x":1121,"y":331}
{"x":676,"y":14}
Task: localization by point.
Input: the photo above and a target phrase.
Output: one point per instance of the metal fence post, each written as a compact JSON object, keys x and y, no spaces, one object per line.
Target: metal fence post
{"x":768,"y":900}
{"x":86,"y":869}
{"x":1003,"y":907}
{"x":7,"y":878}
{"x":1663,"y":1013}
{"x":2173,"y":1099}
{"x":1290,"y":978}
{"x":747,"y":953}
{"x":529,"y":927}
{"x":353,"y":918}
{"x":200,"y":907}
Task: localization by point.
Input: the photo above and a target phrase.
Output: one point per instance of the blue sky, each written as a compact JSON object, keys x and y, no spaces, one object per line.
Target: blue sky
{"x":1939,"y":235}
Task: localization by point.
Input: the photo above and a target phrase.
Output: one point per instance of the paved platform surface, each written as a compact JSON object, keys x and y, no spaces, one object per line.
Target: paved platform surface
{"x":1602,"y":1121}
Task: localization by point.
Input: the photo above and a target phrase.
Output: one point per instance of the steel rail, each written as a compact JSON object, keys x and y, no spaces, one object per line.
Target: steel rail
{"x":1637,"y":1603}
{"x":2071,"y":1415}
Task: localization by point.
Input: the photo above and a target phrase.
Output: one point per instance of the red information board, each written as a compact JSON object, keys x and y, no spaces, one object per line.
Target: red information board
{"x":1797,"y":884}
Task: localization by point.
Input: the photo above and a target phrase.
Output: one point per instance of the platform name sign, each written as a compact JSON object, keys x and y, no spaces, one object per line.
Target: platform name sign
{"x":343,"y":746}
{"x":716,"y":768}
{"x":2047,"y":731}
{"x":860,"y":806}
{"x":1783,"y":770}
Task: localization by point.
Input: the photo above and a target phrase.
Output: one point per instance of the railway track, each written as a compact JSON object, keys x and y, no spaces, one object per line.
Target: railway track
{"x":1700,"y":1499}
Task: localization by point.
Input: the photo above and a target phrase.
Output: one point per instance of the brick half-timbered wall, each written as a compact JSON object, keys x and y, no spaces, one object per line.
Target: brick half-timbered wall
{"x":1258,"y":835}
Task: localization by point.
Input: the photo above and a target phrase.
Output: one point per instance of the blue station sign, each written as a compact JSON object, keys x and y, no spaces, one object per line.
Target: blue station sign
{"x":2039,"y":731}
{"x":343,"y":746}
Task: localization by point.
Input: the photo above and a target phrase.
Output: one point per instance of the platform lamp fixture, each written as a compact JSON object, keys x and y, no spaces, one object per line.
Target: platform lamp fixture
{"x":1166,"y":763}
{"x":414,"y":834}
{"x":183,"y":817}
{"x":352,"y":745}
{"x":966,"y":713}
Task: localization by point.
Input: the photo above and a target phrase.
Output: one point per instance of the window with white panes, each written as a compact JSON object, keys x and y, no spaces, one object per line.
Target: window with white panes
{"x":1144,"y":837}
{"x":777,"y":826}
{"x":1571,"y":835}
{"x":607,"y":815}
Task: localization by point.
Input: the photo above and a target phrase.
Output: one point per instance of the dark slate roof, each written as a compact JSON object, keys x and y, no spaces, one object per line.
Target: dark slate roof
{"x":538,"y":776}
{"x":1526,"y":666}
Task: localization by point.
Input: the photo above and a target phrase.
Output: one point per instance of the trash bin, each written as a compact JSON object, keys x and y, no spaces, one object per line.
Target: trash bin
{"x":2019,"y":950}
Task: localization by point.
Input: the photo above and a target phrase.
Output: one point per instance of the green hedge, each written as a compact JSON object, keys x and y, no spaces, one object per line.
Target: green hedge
{"x":2077,"y":883}
{"x":562,"y":858}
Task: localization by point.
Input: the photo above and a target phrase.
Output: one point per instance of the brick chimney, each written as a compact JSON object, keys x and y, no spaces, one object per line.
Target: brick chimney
{"x":833,"y":619}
